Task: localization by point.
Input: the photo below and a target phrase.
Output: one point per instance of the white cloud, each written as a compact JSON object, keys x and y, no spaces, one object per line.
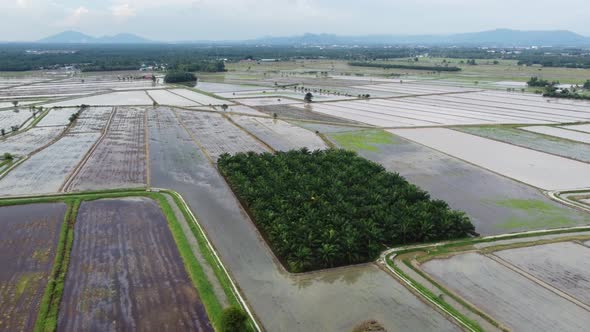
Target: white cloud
{"x":123,"y":11}
{"x":75,"y":16}
{"x":22,"y":3}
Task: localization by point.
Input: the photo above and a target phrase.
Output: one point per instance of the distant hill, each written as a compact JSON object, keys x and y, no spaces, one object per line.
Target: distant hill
{"x":75,"y":37}
{"x":499,"y":37}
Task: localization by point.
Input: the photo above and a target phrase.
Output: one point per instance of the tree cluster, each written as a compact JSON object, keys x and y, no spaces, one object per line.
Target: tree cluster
{"x":587,"y":85}
{"x":399,"y":66}
{"x":540,"y":83}
{"x":180,"y":77}
{"x":332,"y":208}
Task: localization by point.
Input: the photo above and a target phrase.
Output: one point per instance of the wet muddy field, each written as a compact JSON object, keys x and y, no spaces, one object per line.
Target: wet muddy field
{"x":495,"y":204}
{"x":126,"y":273}
{"x":507,"y":296}
{"x":28,"y":241}
{"x":119,"y":160}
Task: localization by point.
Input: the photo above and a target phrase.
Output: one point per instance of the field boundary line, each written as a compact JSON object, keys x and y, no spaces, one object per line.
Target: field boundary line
{"x":538,"y":281}
{"x":68,"y":181}
{"x":217,"y":258}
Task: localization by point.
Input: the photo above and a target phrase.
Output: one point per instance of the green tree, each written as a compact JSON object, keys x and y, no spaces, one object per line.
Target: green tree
{"x":233,"y":319}
{"x":308,"y":97}
{"x":587,"y":85}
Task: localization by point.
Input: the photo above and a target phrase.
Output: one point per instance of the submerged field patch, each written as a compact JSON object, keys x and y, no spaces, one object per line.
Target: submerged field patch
{"x":28,"y":242}
{"x":126,"y":273}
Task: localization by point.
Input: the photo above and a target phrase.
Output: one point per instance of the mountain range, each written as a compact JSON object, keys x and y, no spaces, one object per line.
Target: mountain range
{"x":75,"y":37}
{"x":498,"y":37}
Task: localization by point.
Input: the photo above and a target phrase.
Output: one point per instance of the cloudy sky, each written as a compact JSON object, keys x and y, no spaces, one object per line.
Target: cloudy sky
{"x":170,"y":20}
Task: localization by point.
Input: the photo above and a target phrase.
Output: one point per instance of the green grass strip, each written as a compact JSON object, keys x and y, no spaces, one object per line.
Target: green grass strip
{"x":49,"y":309}
{"x":428,"y":294}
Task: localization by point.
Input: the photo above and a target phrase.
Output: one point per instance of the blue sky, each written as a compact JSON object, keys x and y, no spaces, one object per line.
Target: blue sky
{"x":170,"y":20}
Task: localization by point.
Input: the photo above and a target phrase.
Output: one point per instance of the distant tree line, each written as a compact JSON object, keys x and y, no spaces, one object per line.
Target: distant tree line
{"x":400,"y":66}
{"x":331,"y":208}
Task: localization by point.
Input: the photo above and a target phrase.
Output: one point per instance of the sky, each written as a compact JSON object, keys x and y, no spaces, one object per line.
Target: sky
{"x":184,"y":20}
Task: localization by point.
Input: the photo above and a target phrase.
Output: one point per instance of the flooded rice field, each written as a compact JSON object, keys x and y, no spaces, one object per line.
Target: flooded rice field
{"x":507,"y":296}
{"x":119,"y":160}
{"x":534,"y":141}
{"x":565,"y":266}
{"x":31,"y":140}
{"x":127,"y":98}
{"x":301,"y":113}
{"x":283,"y":302}
{"x":495,"y":204}
{"x":92,"y":119}
{"x":561,"y":133}
{"x":28,"y":242}
{"x":583,"y":128}
{"x":57,"y":117}
{"x":199,"y":97}
{"x":46,"y":171}
{"x":518,"y":163}
{"x":280,"y":135}
{"x":14,"y":117}
{"x":217,"y":135}
{"x":165,"y":97}
{"x":126,"y":273}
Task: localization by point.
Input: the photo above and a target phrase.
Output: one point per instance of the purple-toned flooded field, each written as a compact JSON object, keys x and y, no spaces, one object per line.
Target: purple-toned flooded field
{"x":126,"y":273}
{"x":28,"y":242}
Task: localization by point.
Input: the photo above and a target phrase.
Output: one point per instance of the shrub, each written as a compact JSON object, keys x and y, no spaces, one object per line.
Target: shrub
{"x":233,"y":319}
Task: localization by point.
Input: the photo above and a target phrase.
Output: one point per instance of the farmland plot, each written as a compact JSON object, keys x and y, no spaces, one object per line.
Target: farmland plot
{"x":217,"y":135}
{"x":583,"y":128}
{"x":303,"y":113}
{"x":280,"y":135}
{"x":267,"y":101}
{"x":244,"y":110}
{"x":199,"y":97}
{"x":26,"y":142}
{"x":511,"y":298}
{"x":224,"y":87}
{"x":518,"y":163}
{"x":119,"y":160}
{"x":93,"y":119}
{"x":126,"y":273}
{"x":57,"y":117}
{"x":281,"y":301}
{"x":165,"y":97}
{"x":565,"y":266}
{"x":561,"y":133}
{"x":530,"y":140}
{"x":11,"y":118}
{"x":28,"y":241}
{"x":495,"y":203}
{"x":46,"y":171}
{"x":128,"y":98}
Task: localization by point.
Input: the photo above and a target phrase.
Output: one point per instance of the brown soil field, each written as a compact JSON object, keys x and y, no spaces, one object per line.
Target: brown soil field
{"x":28,"y":241}
{"x":126,"y":273}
